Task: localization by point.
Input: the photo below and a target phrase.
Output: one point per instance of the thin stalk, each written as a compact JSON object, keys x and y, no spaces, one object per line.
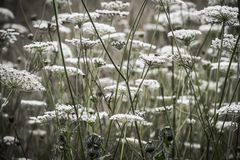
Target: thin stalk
{"x":66,"y":74}
{"x":123,"y":144}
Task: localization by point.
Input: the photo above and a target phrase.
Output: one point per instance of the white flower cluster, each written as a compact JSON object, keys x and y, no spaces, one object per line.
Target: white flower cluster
{"x":38,"y":132}
{"x":85,"y":43}
{"x":185,"y":59}
{"x":60,"y":70}
{"x":229,"y":108}
{"x":221,"y":2}
{"x":22,"y":80}
{"x":122,"y":91}
{"x":112,"y":13}
{"x":220,"y":14}
{"x":186,"y":100}
{"x":179,"y":18}
{"x":153,"y":60}
{"x":115,"y":5}
{"x":159,"y":109}
{"x":54,"y":49}
{"x":168,"y":2}
{"x":10,"y":140}
{"x":124,"y":118}
{"x":33,"y":103}
{"x":132,"y":141}
{"x":17,"y":27}
{"x":79,"y":18}
{"x":190,"y":121}
{"x":148,"y":83}
{"x":187,"y":36}
{"x":44,"y":25}
{"x":192,"y":145}
{"x":6,"y":14}
{"x":118,"y":36}
{"x":37,"y":46}
{"x":225,"y":125}
{"x":88,"y":28}
{"x":98,"y":62}
{"x":60,"y":3}
{"x":8,"y":36}
{"x":65,"y":112}
{"x":229,"y":42}
{"x":141,"y":45}
{"x":224,"y":66}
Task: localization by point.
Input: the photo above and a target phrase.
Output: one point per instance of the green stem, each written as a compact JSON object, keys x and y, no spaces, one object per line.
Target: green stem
{"x":68,"y":81}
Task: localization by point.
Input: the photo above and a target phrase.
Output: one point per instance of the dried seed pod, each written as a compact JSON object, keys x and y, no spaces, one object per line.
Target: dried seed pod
{"x":150,"y":147}
{"x":167,"y":133}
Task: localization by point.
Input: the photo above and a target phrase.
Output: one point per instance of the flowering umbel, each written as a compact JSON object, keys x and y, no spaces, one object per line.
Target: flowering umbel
{"x":22,"y":80}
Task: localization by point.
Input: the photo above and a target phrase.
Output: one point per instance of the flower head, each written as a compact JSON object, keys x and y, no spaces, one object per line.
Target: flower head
{"x":220,"y":14}
{"x":126,"y":118}
{"x":115,"y":5}
{"x":187,"y":36}
{"x":60,"y":69}
{"x":229,"y":108}
{"x":229,"y":42}
{"x":88,"y":28}
{"x":22,"y":80}
{"x":8,"y":36}
{"x":5,"y":14}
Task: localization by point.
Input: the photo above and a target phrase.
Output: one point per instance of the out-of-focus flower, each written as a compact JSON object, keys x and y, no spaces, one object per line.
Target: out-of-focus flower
{"x":221,"y":2}
{"x":136,"y":44}
{"x":124,"y":118}
{"x":192,"y":145}
{"x":5,"y":14}
{"x":17,"y":27}
{"x":115,"y":5}
{"x":224,"y":66}
{"x":33,"y":103}
{"x":60,"y":3}
{"x":112,"y":13}
{"x":79,"y":18}
{"x":158,"y":110}
{"x":148,"y":83}
{"x":10,"y":140}
{"x":168,"y":2}
{"x":60,"y":70}
{"x":179,"y":18}
{"x":85,"y":43}
{"x":225,"y":125}
{"x":47,"y":25}
{"x":38,"y":132}
{"x":229,"y":108}
{"x":97,"y":62}
{"x":220,"y":14}
{"x":228,"y":43}
{"x":22,"y":80}
{"x":88,"y":29}
{"x":8,"y":36}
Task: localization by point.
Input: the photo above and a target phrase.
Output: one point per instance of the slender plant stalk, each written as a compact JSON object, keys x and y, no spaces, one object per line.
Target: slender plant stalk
{"x":68,"y":81}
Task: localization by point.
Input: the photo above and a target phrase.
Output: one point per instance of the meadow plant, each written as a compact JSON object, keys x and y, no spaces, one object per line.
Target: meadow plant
{"x":103,"y":84}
